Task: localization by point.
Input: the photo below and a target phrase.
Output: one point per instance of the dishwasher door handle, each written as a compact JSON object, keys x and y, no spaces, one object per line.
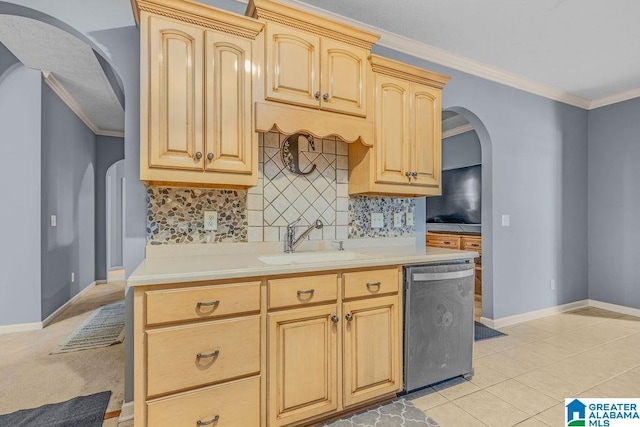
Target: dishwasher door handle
{"x":424,"y":277}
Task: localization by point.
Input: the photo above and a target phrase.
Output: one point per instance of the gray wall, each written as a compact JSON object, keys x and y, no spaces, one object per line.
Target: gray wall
{"x":108,"y":151}
{"x":123,"y":45}
{"x":461,"y":150}
{"x":538,"y":163}
{"x":68,"y":191}
{"x":614,"y":203}
{"x":7,"y":59}
{"x":20,"y":100}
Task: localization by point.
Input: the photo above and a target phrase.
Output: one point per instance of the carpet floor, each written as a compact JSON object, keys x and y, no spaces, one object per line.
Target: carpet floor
{"x":31,"y":377}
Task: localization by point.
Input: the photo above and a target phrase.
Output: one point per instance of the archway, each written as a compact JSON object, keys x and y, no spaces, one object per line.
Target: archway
{"x":487,"y":210}
{"x":114,"y":219}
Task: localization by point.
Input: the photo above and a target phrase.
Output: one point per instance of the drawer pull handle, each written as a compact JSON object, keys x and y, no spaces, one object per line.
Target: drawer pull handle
{"x":373,"y":285}
{"x":208,"y":355}
{"x":208,"y":423}
{"x":309,"y":292}
{"x":447,"y":243}
{"x":207,"y":304}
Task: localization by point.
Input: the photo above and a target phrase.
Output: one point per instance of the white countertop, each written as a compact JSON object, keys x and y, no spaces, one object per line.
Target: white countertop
{"x":189,"y":263}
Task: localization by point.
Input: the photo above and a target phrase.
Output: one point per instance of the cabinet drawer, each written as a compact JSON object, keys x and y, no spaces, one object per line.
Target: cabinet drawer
{"x":174,"y":305}
{"x":368,"y":283}
{"x":299,"y":291}
{"x":472,"y":244}
{"x":173,"y":362}
{"x":443,"y":241}
{"x":235,"y":404}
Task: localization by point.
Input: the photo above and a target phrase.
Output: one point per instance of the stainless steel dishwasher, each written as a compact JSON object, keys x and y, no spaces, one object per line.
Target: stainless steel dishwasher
{"x":438,"y":323}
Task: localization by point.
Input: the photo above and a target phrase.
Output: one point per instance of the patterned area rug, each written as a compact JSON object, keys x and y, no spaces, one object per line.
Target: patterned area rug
{"x":103,"y":328}
{"x":483,"y":332}
{"x":399,"y":413}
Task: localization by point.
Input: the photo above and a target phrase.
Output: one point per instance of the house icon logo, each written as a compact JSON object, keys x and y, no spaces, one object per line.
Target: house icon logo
{"x":576,"y":413}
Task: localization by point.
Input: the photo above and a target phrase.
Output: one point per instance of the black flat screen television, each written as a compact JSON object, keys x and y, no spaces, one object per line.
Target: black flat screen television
{"x":461,"y":197}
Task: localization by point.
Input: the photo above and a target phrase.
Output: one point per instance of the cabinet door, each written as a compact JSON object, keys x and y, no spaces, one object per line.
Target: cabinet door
{"x":302,"y":364}
{"x":293,"y":66}
{"x":371,"y":351}
{"x":391,"y":124}
{"x":175,"y":95}
{"x":228,"y":108}
{"x":343,"y":81}
{"x":426,"y":135}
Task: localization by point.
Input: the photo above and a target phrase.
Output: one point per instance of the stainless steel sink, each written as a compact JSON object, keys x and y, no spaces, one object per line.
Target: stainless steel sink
{"x":310,"y":257}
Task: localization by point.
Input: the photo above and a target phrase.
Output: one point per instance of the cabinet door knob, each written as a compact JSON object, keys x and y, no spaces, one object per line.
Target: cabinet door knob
{"x":349,"y":317}
{"x":407,"y":174}
{"x":317,"y":95}
{"x":335,"y":319}
{"x":414,"y":174}
{"x":210,"y":156}
{"x":198,"y":155}
{"x":325,"y":96}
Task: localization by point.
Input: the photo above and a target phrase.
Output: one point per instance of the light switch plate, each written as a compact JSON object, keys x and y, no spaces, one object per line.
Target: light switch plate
{"x":210,"y":220}
{"x":54,"y":220}
{"x":377,"y":220}
{"x":397,"y":219}
{"x":505,"y":220}
{"x":409,"y":219}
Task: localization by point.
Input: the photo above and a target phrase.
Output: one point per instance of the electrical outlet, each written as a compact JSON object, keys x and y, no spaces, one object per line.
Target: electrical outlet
{"x":377,"y":220}
{"x":505,"y":220}
{"x":397,"y":219}
{"x":73,"y":277}
{"x":409,"y":219}
{"x":553,"y":284}
{"x":210,"y":220}
{"x":54,"y":220}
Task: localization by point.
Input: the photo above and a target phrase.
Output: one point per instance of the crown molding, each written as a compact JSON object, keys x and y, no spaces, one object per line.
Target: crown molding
{"x":70,"y":101}
{"x":457,"y":131}
{"x":433,"y":54}
{"x":614,"y":99}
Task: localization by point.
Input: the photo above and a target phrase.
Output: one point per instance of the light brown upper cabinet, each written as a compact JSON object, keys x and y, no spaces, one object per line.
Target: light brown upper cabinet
{"x":315,"y":63}
{"x":406,"y":156}
{"x":196,"y":96}
{"x":312,"y":71}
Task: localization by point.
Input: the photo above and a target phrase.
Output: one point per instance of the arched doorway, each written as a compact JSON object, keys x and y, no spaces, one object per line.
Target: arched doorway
{"x":487,"y":210}
{"x":114,"y":220}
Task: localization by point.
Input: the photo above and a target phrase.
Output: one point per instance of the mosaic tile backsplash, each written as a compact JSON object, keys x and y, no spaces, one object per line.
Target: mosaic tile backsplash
{"x":174,"y":215}
{"x":262,"y":212}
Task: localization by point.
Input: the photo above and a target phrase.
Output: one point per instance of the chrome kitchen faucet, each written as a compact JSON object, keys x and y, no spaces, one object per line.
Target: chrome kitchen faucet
{"x":292,"y":243}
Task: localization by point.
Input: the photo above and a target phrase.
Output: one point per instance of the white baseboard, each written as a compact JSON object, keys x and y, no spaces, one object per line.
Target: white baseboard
{"x":615,"y":308}
{"x":20,"y":327}
{"x":126,"y":413}
{"x":503,"y":322}
{"x":46,"y":322}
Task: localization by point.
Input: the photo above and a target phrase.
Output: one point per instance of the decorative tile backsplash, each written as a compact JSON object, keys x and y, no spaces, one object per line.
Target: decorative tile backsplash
{"x":174,"y":215}
{"x":361,"y":207}
{"x":283,"y":196}
{"x":261,"y":213}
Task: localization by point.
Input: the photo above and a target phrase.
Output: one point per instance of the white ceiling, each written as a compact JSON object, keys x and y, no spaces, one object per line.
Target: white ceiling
{"x":74,"y":66}
{"x":576,"y":51}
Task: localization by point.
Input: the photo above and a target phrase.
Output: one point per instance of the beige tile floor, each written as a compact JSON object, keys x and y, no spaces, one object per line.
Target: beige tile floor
{"x":523,"y":378}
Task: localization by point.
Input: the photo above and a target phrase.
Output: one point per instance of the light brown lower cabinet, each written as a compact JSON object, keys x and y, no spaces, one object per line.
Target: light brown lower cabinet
{"x":303,"y":349}
{"x":371,"y":365}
